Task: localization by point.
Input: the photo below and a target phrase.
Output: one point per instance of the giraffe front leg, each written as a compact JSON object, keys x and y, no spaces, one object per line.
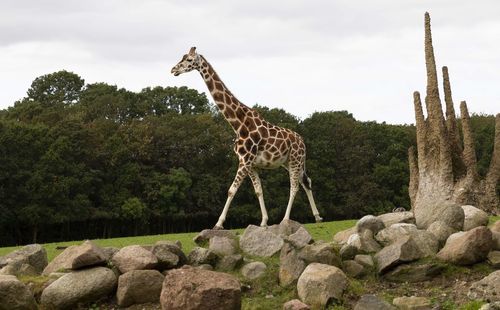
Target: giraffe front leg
{"x":258,"y":191}
{"x":240,"y":176}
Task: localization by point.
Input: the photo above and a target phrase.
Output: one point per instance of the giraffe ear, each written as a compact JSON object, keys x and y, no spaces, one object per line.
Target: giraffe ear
{"x":192,"y":51}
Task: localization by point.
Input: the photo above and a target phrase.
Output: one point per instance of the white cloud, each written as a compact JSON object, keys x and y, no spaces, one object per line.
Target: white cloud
{"x":304,"y":56}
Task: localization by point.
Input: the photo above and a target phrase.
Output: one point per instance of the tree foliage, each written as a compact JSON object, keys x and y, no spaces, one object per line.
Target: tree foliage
{"x":95,"y":161}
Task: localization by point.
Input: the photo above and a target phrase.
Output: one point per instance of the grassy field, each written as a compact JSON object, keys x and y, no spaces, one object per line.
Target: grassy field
{"x":321,"y":231}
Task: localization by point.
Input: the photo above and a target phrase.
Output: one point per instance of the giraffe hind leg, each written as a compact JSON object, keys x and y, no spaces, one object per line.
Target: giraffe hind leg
{"x":306,"y":185}
{"x":254,"y":176}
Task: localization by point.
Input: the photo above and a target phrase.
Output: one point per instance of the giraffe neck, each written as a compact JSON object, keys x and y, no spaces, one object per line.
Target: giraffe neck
{"x":233,"y":110}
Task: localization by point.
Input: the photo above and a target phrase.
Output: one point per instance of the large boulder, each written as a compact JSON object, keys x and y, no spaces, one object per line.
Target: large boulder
{"x":291,"y":266}
{"x":253,"y":270}
{"x":320,"y":252}
{"x":496,"y":240}
{"x":353,"y":269}
{"x":32,"y":254}
{"x":474,"y":217}
{"x":205,"y":235}
{"x":448,"y":212}
{"x":487,"y":289}
{"x":404,"y":249}
{"x":494,"y":259}
{"x":260,"y":241}
{"x":365,"y":260}
{"x":14,"y":295}
{"x":168,"y":254}
{"x":397,"y":217}
{"x":320,"y":284}
{"x":426,"y":241}
{"x":189,"y":288}
{"x":138,"y":287}
{"x":285,"y":228}
{"x":76,"y":257}
{"x":201,"y":256}
{"x":466,"y":248}
{"x":223,"y":245}
{"x":79,"y":287}
{"x":370,"y":222}
{"x":229,"y":262}
{"x":134,"y":257}
{"x":372,"y":302}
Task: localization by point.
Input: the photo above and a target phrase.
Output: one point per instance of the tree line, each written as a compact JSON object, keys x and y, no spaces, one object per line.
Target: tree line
{"x":97,"y":161}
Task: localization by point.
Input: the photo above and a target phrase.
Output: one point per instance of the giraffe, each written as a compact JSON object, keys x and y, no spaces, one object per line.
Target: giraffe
{"x":258,"y":144}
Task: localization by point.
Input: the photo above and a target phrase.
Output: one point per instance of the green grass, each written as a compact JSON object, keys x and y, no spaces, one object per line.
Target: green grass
{"x":321,"y":231}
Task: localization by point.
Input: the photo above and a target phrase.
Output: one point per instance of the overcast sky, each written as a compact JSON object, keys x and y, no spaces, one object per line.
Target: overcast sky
{"x":365,"y":57}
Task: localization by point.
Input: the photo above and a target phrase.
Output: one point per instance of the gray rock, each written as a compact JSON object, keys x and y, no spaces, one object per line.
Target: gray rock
{"x":109,"y":251}
{"x":494,"y":259}
{"x":487,"y":288}
{"x":348,"y":251}
{"x":372,"y":302}
{"x":190,"y":288}
{"x":32,"y":254}
{"x":426,"y":241}
{"x":169,"y":254}
{"x":353,"y":269}
{"x":370,"y":222}
{"x":229,"y":262}
{"x":491,"y":306}
{"x":448,"y":212}
{"x":205,"y":267}
{"x":223,"y":245}
{"x":295,"y":304}
{"x":474,"y":217}
{"x":397,"y":217}
{"x":413,"y":273}
{"x":300,"y":238}
{"x":467,"y":248}
{"x":260,"y":241}
{"x":138,"y":287}
{"x":320,"y":252}
{"x":77,"y":256}
{"x":441,"y":231}
{"x":199,"y":256}
{"x":342,"y":236}
{"x":403,"y":250}
{"x":205,"y":235}
{"x":134,"y":257}
{"x":320,"y":284}
{"x":412,"y":303}
{"x":365,"y":260}
{"x":79,"y":287}
{"x":364,"y":242}
{"x":253,"y":270}
{"x":291,"y":266}
{"x":14,"y":295}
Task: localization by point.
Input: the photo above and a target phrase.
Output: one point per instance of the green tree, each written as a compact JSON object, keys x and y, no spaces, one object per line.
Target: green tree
{"x":60,"y":87}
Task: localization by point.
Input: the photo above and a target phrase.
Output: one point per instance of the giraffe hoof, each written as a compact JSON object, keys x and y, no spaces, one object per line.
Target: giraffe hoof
{"x":263,"y":225}
{"x":318,"y":219}
{"x":217,"y":227}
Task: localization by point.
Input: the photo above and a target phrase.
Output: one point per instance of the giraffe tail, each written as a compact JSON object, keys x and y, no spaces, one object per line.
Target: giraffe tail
{"x":306,"y":180}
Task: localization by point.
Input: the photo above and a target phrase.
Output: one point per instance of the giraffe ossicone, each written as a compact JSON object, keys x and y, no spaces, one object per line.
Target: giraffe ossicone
{"x":258,"y":144}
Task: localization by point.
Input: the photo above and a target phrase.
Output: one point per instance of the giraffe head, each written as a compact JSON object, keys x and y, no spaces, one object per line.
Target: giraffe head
{"x":189,"y":62}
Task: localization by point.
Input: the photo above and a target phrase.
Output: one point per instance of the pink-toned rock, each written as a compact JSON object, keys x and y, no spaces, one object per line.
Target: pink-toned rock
{"x":466,"y":248}
{"x":134,"y":257}
{"x":189,"y":288}
{"x":77,"y":257}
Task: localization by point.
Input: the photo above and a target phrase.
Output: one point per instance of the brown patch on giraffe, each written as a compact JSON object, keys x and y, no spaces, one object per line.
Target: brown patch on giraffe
{"x":295,"y":146}
{"x":272,"y":132}
{"x":218,"y":96}
{"x":205,"y":65}
{"x":240,"y":114}
{"x":257,"y":122}
{"x":271,"y":140}
{"x":243,"y":131}
{"x":283,"y":147}
{"x":292,"y":138}
{"x":211,"y":70}
{"x":218,"y":86}
{"x":248,"y":144}
{"x":235,"y":124}
{"x":267,"y":155}
{"x":227,"y":99}
{"x":255,"y":137}
{"x":228,"y":113}
{"x":263,"y":132}
{"x":241,"y":150}
{"x":210,"y":85}
{"x":279,"y":135}
{"x":221,"y":106}
{"x":250,"y":124}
